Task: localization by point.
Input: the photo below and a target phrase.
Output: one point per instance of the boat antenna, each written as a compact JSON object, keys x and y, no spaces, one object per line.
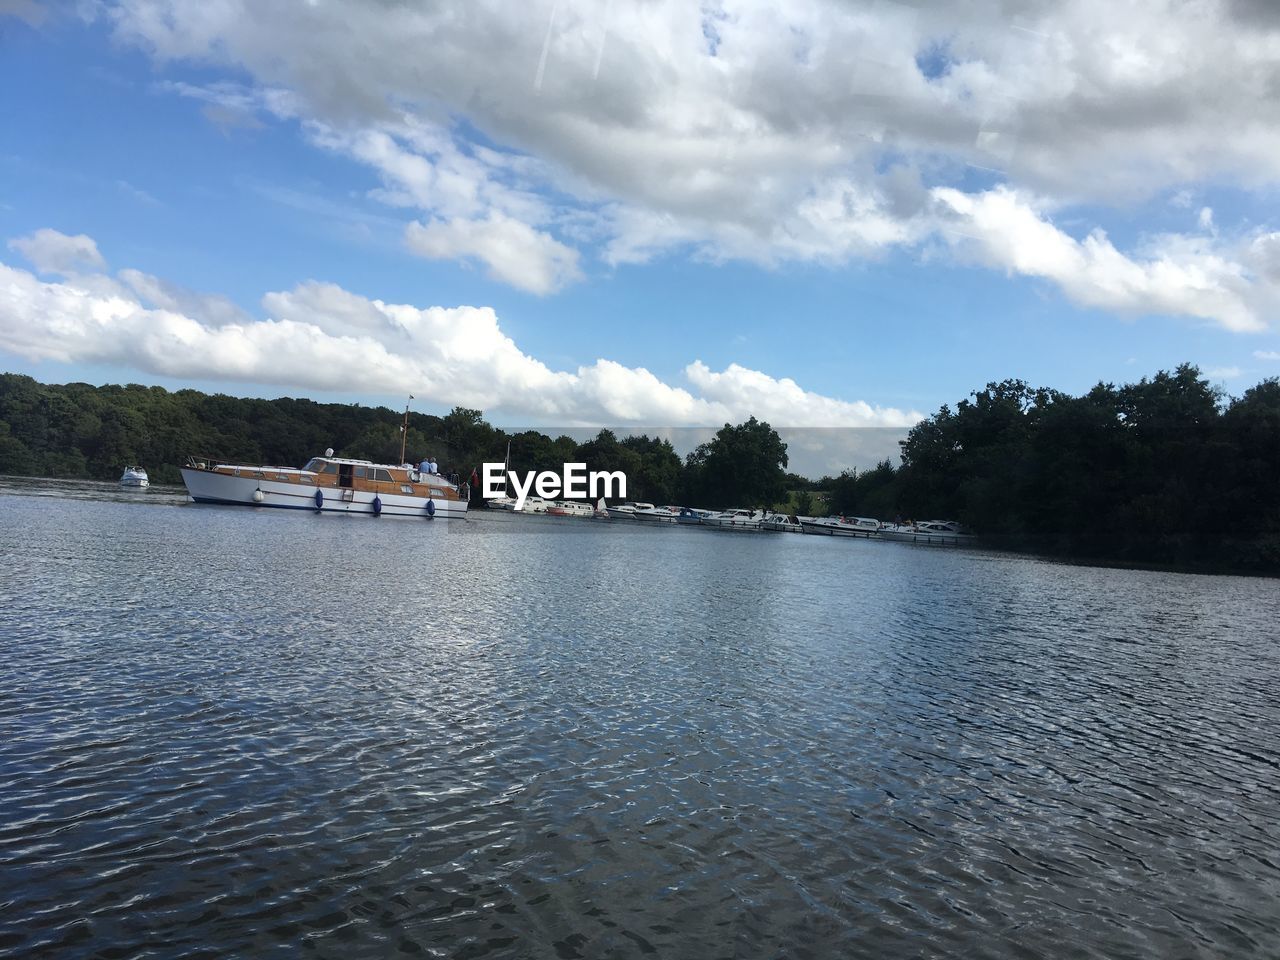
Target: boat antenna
{"x":404,"y":428}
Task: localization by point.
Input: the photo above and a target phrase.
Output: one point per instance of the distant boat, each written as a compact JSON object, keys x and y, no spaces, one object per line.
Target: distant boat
{"x":944,"y":533}
{"x":627,"y":511}
{"x":780,"y":523}
{"x":327,"y":484}
{"x":735,"y":518}
{"x":658,"y":514}
{"x":569,"y":508}
{"x":693,"y":516}
{"x":134,"y":477}
{"x":841,"y":526}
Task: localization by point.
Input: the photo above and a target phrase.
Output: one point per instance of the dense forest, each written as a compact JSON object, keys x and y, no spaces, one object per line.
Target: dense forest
{"x":1165,"y":471}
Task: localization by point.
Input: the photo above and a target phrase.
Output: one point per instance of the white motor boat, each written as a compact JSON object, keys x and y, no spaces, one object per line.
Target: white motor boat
{"x":327,"y":484}
{"x":735,"y":518}
{"x":569,"y":508}
{"x":841,"y":526}
{"x":943,"y":533}
{"x":628,"y":510}
{"x":134,"y":477}
{"x":780,"y":523}
{"x":501,"y":503}
{"x":658,"y":514}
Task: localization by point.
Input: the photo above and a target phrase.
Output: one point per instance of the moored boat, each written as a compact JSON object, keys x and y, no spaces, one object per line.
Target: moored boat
{"x":627,"y":511}
{"x":134,"y":477}
{"x":735,"y":518}
{"x":658,"y":514}
{"x":944,"y":533}
{"x":780,"y":523}
{"x":327,"y":484}
{"x":693,"y":516}
{"x":841,"y":526}
{"x":569,"y":508}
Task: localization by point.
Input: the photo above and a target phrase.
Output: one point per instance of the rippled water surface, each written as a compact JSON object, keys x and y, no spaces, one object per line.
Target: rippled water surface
{"x":235,"y":732}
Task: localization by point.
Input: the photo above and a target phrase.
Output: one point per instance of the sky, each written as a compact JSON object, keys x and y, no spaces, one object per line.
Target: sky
{"x":824,"y":214}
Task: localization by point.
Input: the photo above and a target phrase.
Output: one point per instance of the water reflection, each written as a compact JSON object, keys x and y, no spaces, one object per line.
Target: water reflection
{"x":249,"y":732}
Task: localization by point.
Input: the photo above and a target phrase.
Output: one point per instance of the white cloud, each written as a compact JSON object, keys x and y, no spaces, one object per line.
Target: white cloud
{"x":514,"y":252}
{"x":1267,"y":354}
{"x":1224,"y":373}
{"x":1180,"y":276}
{"x":321,"y":337}
{"x":744,"y":130}
{"x":784,"y":401}
{"x":52,"y":252}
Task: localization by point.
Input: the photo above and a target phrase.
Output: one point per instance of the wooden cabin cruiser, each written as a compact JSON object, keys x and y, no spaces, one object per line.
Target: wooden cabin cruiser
{"x":734,"y":519}
{"x":780,"y":523}
{"x":943,"y":533}
{"x":841,"y":526}
{"x":627,"y":511}
{"x":134,"y":477}
{"x":328,"y":484}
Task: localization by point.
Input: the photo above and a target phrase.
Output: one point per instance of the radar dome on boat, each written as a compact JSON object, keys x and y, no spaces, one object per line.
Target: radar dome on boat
{"x":328,"y":451}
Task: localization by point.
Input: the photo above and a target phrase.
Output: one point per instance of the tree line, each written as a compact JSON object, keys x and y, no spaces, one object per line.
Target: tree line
{"x":77,"y":430}
{"x":1165,"y":471}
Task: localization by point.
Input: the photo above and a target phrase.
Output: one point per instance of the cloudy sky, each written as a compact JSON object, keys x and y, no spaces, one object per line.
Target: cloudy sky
{"x":570,"y":212}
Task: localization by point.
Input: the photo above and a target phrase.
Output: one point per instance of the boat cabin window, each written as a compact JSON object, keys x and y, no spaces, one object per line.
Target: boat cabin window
{"x":329,"y":468}
{"x":384,"y":475}
{"x":312,"y":466}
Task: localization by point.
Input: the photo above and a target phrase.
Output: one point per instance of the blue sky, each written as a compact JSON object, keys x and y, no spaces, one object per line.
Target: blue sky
{"x":620,"y":200}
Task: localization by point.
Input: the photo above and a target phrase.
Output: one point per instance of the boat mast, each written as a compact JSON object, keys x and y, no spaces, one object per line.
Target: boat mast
{"x":404,"y":428}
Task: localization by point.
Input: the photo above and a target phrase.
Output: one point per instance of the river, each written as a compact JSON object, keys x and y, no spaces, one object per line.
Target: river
{"x":230,"y":732}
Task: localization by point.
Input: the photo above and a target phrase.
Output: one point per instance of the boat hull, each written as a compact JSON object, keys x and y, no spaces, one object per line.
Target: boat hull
{"x":839,"y":530}
{"x":209,"y":487}
{"x":933,"y":538}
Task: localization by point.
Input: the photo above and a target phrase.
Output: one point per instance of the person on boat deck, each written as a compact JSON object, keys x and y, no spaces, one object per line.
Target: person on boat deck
{"x":435,"y":469}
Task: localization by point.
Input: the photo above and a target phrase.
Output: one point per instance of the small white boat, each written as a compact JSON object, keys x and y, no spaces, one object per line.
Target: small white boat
{"x":658,"y":514}
{"x":134,"y":477}
{"x":780,"y":523}
{"x":569,"y":508}
{"x":841,"y":526}
{"x":735,"y":518}
{"x":501,"y":503}
{"x":627,"y":511}
{"x":943,"y":533}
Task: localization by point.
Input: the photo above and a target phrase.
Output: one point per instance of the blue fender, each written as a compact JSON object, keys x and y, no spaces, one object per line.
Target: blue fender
{"x":377,"y":505}
{"x":319,"y":500}
{"x":431,"y":509}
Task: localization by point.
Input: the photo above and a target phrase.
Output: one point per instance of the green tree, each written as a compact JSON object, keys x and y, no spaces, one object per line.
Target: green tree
{"x":743,"y":465}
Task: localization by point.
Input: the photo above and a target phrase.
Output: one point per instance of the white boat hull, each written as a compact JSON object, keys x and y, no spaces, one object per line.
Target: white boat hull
{"x":936,"y":538}
{"x":209,"y":487}
{"x":838,"y":530}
